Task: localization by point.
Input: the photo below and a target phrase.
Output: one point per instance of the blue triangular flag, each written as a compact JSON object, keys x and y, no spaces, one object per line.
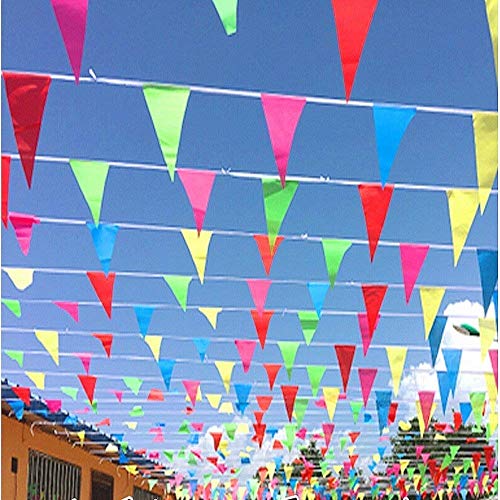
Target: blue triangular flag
{"x":17,"y":408}
{"x":166,"y":368}
{"x":495,"y":303}
{"x":488,"y":270}
{"x":383,"y":401}
{"x":367,"y":418}
{"x":194,"y":438}
{"x":381,"y":450}
{"x":390,"y":125}
{"x":70,"y":420}
{"x":242,"y":392}
{"x":452,"y":358}
{"x":118,"y":436}
{"x":123,"y":458}
{"x":444,"y":388}
{"x":193,"y":484}
{"x":271,"y":431}
{"x":465,"y":410}
{"x":318,"y":291}
{"x":201,"y":346}
{"x":143,"y":315}
{"x":104,"y":237}
{"x":436,"y":335}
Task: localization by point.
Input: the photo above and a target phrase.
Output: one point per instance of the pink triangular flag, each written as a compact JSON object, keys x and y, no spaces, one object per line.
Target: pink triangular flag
{"x":192,"y":387}
{"x":258,"y":290}
{"x":197,"y":426}
{"x":85,"y":359}
{"x":366,"y":379}
{"x":246,"y":349}
{"x":418,"y":451}
{"x":70,"y":307}
{"x":412,"y":258}
{"x":366,"y":335}
{"x":328,"y":429}
{"x":23,"y":226}
{"x":426,"y":400}
{"x":494,"y":363}
{"x":282,"y":116}
{"x":118,"y":394}
{"x":53,"y":405}
{"x":373,"y":296}
{"x":72,"y":19}
{"x":198,"y":186}
{"x":425,"y":457}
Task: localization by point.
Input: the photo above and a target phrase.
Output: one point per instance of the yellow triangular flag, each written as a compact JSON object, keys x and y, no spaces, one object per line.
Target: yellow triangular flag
{"x":430,"y":298}
{"x":50,"y":340}
{"x":154,"y":343}
{"x":397,"y":358}
{"x":421,"y":423}
{"x":226,"y":407}
{"x":331,"y":395}
{"x":462,"y":206}
{"x":242,"y":428}
{"x":404,"y":464}
{"x":131,"y":469}
{"x":351,"y":450}
{"x":491,"y":386}
{"x":487,"y":332}
{"x":486,"y":142}
{"x":416,"y":480}
{"x":376,"y":458}
{"x":22,"y":278}
{"x":131,"y":425}
{"x":81,"y":436}
{"x":211,"y":314}
{"x":271,"y":469}
{"x":225,"y":371}
{"x":214,"y":400}
{"x":493,"y":421}
{"x":198,"y":248}
{"x":492,"y":13}
{"x":288,"y":472}
{"x":38,"y":378}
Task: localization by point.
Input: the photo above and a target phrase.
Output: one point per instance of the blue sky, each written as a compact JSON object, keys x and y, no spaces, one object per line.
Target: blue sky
{"x":432,"y":53}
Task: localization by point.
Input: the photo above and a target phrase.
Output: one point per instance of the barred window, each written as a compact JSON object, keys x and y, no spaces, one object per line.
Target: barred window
{"x":52,"y":479}
{"x":144,"y":495}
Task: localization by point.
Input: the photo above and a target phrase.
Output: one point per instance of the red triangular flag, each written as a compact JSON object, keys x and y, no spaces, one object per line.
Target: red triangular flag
{"x":353,"y":436}
{"x":155,"y":395}
{"x":260,"y":430}
{"x":217,"y":436}
{"x":70,"y":307}
{"x":26,"y":95}
{"x":23,"y":393}
{"x":266,"y":254}
{"x":261,"y":322}
{"x":366,"y":379}
{"x":353,"y":459}
{"x":345,"y":355}
{"x":103,"y":286}
{"x":277,"y":445}
{"x":289,"y":395}
{"x":5,"y":189}
{"x":328,"y":429}
{"x":106,"y":341}
{"x":272,"y":371}
{"x":375,"y":201}
{"x":259,"y":415}
{"x":264,"y":402}
{"x":412,"y":259}
{"x":373,"y":296}
{"x":352,"y":20}
{"x":246,"y":349}
{"x":88,"y":384}
{"x":23,"y":227}
{"x":393,"y":409}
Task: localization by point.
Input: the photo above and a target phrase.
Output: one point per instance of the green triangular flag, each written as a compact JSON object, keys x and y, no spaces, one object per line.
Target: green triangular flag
{"x":342,"y":442}
{"x":467,"y":463}
{"x":13,"y":306}
{"x":192,"y":460}
{"x":309,"y":322}
{"x":93,"y":406}
{"x":124,"y":445}
{"x":91,"y":177}
{"x":315,"y":373}
{"x":136,"y":411}
{"x":17,"y":356}
{"x":277,"y":199}
{"x":410,"y":471}
{"x":71,"y":392}
{"x":133,"y":383}
{"x":227,"y":10}
{"x":454,"y":450}
{"x":169,"y":455}
{"x":477,"y":402}
{"x":356,"y":408}
{"x":167,"y":107}
{"x":421,"y":468}
{"x":290,"y":430}
{"x":446,"y":461}
{"x":184,"y":428}
{"x":179,"y":286}
{"x":300,"y":409}
{"x":288,"y":352}
{"x":334,"y":251}
{"x":230,"y":428}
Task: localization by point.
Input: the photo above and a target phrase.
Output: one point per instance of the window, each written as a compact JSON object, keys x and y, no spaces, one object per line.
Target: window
{"x":51,"y":478}
{"x":144,"y":495}
{"x":102,"y":486}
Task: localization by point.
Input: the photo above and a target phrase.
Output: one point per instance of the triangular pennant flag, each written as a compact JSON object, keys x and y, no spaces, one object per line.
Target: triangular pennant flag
{"x":373,"y":296}
{"x":452,"y":358}
{"x":465,"y":411}
{"x":167,"y":107}
{"x":242,"y":393}
{"x":315,"y":374}
{"x":21,"y":278}
{"x":436,"y":335}
{"x":318,"y":292}
{"x":301,"y":405}
{"x":328,"y":429}
{"x":444,"y":389}
{"x":309,"y":322}
{"x":391,"y":123}
{"x":430,"y":298}
{"x":50,"y":341}
{"x":88,"y":383}
{"x":486,"y":144}
{"x":198,"y":186}
{"x":201,"y":345}
{"x":23,"y":393}
{"x":492,"y":13}
{"x":266,"y":253}
{"x":488,"y":270}
{"x":272,"y":372}
{"x":192,"y":387}
{"x":487,"y":334}
{"x":494,"y":363}
{"x":288,"y":352}
{"x":70,"y":307}
{"x":133,"y":383}
{"x":366,"y":380}
{"x":426,"y":399}
{"x":106,"y":340}
{"x":17,"y":356}
{"x":26,"y":96}
{"x":345,"y":356}
{"x":85,"y":358}
{"x":143,"y":315}
{"x":375,"y":200}
{"x":211,"y":313}
{"x":180,"y":287}
{"x":383,"y":403}
{"x":228,"y":14}
{"x":104,"y":237}
{"x":477,"y":402}
{"x":412,"y":259}
{"x":23,"y":227}
{"x":282,"y":117}
{"x":71,"y":17}
{"x":166,"y":368}
{"x":5,"y":189}
{"x":462,"y":207}
{"x":103,"y":287}
{"x":154,"y":343}
{"x":17,"y":408}
{"x":334,"y":251}
{"x":91,"y":177}
{"x":289,"y":394}
{"x":356,"y":409}
{"x":277,"y":200}
{"x":261,"y":322}
{"x":352,"y":20}
{"x":331,"y":395}
{"x":364,"y":329}
{"x":225,"y":369}
{"x":246,"y":349}
{"x":259,"y":290}
{"x":214,"y":400}
{"x":14,"y":306}
{"x":397,"y":358}
{"x":198,"y":243}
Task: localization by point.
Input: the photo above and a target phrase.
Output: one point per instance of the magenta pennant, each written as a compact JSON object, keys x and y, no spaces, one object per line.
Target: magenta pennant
{"x":366,"y":379}
{"x":494,"y":363}
{"x":282,"y":116}
{"x":258,"y":290}
{"x":53,"y":405}
{"x":70,"y":307}
{"x":366,"y":335}
{"x":412,"y":259}
{"x":191,"y":387}
{"x":246,"y":349}
{"x":426,"y":400}
{"x":71,"y":17}
{"x":85,"y":359}
{"x":23,"y":227}
{"x":198,"y":186}
{"x":328,"y":429}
